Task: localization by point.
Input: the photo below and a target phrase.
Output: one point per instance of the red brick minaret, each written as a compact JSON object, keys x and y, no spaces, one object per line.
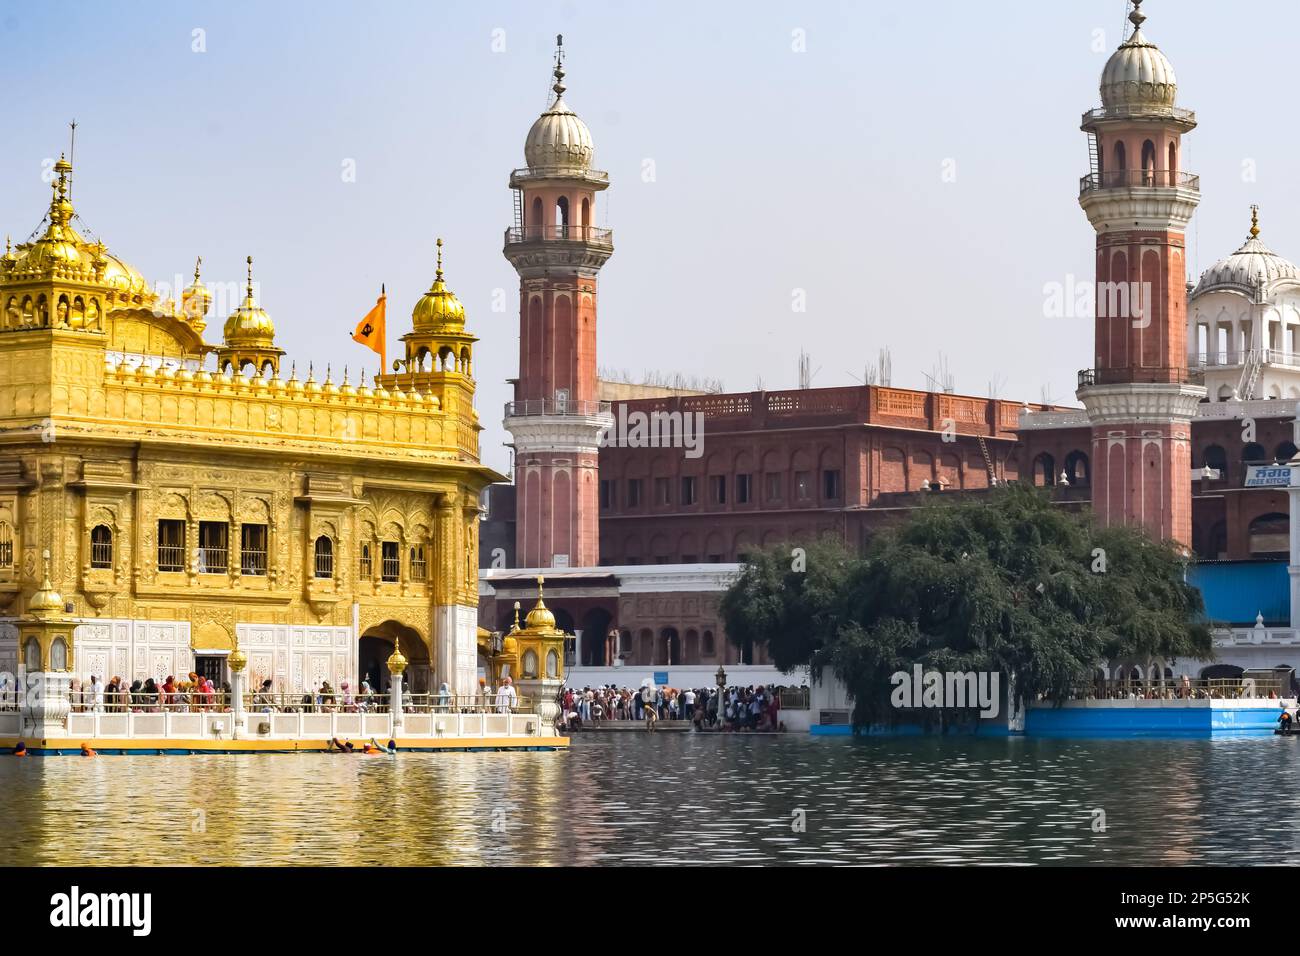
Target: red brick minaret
{"x":556,"y":419}
{"x":1139,"y":398}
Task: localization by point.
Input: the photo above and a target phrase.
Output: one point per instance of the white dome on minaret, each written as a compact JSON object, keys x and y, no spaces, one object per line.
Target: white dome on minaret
{"x":1138,"y":75}
{"x":559,"y":137}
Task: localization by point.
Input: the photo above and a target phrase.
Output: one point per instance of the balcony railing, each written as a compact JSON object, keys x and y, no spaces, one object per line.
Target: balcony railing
{"x":542,"y":233}
{"x":1122,"y":376}
{"x":1133,"y":112}
{"x":1150,"y":178}
{"x":1263,"y":356}
{"x":554,"y":406}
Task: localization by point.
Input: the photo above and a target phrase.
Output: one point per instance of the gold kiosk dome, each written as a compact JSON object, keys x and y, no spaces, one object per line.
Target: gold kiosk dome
{"x":249,"y":325}
{"x":438,"y":310}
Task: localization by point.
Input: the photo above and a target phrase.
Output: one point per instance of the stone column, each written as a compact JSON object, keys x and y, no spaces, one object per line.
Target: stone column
{"x":44,"y":704}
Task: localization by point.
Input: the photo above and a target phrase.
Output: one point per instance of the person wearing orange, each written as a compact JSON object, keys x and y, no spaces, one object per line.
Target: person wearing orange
{"x":86,"y":751}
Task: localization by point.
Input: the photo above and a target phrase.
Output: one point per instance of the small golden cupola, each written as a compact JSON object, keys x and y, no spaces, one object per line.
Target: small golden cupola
{"x":249,"y":337}
{"x":540,"y":617}
{"x":46,"y":602}
{"x":196,"y":301}
{"x":438,"y":341}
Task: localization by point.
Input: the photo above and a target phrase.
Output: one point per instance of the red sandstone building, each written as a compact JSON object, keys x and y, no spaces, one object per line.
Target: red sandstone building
{"x":638,"y":541}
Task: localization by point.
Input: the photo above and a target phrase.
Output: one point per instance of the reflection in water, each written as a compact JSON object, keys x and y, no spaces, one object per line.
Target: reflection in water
{"x":668,"y":798}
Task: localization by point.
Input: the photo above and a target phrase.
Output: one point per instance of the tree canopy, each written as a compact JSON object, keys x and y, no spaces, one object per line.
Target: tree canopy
{"x":1009,"y":582}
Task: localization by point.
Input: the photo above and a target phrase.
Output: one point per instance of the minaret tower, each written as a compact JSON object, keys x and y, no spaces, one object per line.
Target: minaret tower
{"x":556,"y":419}
{"x":1139,"y":398}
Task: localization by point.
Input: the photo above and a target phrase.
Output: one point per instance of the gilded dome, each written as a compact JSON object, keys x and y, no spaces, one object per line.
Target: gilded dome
{"x":249,"y":325}
{"x":1251,"y":268}
{"x":438,"y":309}
{"x":1138,"y":75}
{"x":46,"y":601}
{"x":63,"y":251}
{"x":540,"y":617}
{"x":558,"y":137}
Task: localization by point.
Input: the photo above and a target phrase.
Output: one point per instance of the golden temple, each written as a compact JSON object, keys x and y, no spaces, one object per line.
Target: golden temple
{"x":188,"y":509}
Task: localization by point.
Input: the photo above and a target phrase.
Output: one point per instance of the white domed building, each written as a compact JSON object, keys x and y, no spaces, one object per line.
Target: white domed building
{"x":1243,"y":324}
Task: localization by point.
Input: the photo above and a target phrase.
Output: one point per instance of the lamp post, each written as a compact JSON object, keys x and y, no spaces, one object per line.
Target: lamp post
{"x":396,"y":667}
{"x":721,"y":677}
{"x":236,"y":662}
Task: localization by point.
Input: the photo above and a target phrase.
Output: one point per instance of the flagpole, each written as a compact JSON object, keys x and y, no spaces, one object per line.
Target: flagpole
{"x":383,"y":337}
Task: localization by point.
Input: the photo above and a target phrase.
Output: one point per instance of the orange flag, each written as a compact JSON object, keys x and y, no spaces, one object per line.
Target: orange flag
{"x":370,"y":331}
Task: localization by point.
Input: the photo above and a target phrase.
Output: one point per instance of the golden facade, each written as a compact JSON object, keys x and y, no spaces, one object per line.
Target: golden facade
{"x":186,"y":508}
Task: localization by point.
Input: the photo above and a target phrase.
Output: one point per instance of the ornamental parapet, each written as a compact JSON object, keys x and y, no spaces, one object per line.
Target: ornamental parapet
{"x":236,"y":407}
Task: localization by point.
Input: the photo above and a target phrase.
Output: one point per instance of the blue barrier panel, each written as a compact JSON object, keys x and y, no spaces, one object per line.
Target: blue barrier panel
{"x":1236,"y":591}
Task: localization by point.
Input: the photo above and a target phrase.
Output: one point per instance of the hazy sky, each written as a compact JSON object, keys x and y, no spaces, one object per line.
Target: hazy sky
{"x":914,"y":170}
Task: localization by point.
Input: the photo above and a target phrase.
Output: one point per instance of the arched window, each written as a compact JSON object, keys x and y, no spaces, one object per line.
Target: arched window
{"x":1269,"y":536}
{"x":1077,"y":471}
{"x":101,"y":546}
{"x":365,"y":567}
{"x":1285,"y":452}
{"x":419,"y":570}
{"x":1254,"y":453}
{"x":1173,"y":162}
{"x":1216,"y":457}
{"x":59,"y":655}
{"x":1044,"y":470}
{"x":562,"y":217}
{"x":1148,"y":163}
{"x":324,"y":557}
{"x":534,"y":230}
{"x":32,"y":655}
{"x":552,"y":665}
{"x":6,"y":546}
{"x":530,"y":663}
{"x":1121,"y":163}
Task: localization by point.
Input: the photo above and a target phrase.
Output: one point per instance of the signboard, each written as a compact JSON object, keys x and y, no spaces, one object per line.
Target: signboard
{"x":661,"y":678}
{"x":1268,"y":476}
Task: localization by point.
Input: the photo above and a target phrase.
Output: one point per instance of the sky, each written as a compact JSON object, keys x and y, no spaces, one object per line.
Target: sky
{"x":828,"y":177}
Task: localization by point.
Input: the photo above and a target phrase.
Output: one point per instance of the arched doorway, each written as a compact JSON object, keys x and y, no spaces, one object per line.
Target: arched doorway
{"x":671,"y":644}
{"x":375,"y":647}
{"x":595,"y":630}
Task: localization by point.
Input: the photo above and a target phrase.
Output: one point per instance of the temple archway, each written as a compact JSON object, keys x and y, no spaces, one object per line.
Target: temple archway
{"x":375,"y":647}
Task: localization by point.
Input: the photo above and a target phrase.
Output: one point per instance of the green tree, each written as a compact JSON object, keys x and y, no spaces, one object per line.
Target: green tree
{"x":1009,"y":583}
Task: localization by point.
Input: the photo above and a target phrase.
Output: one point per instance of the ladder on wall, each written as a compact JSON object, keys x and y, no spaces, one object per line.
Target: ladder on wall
{"x":988,"y":460}
{"x":1250,"y":370}
{"x":1094,"y":159}
{"x":519,"y":211}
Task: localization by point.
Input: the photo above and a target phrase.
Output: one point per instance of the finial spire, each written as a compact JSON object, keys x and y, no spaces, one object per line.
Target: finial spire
{"x":439,"y":274}
{"x":198,"y":261}
{"x":1137,"y":16}
{"x":250,"y":278}
{"x":559,"y":86}
{"x":540,"y":580}
{"x":1254,"y":222}
{"x":516,"y":627}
